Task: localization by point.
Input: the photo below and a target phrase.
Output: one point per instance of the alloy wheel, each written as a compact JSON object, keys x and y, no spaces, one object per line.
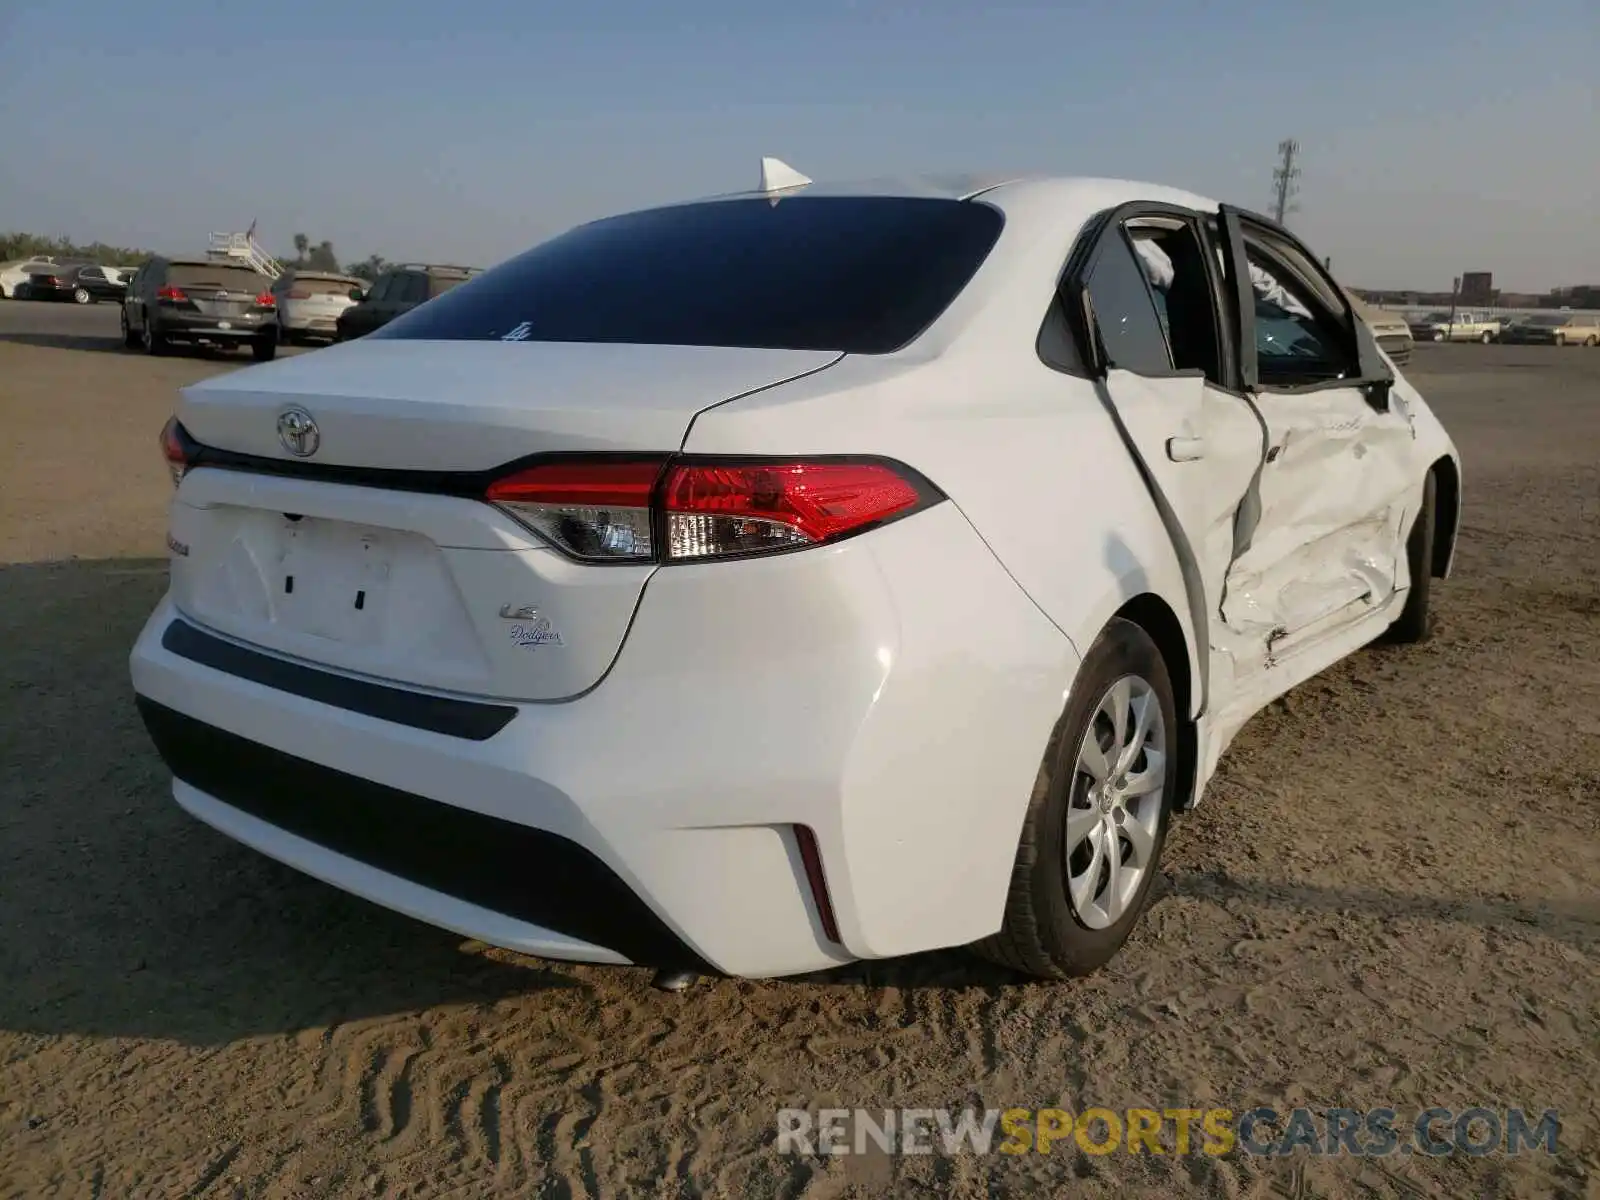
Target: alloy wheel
{"x":1114,"y":808}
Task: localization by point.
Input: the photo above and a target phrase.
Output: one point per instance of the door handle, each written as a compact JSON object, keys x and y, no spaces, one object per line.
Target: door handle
{"x":1186,"y":449}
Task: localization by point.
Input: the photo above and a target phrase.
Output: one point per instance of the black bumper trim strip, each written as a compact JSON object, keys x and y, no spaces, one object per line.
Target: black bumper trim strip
{"x":526,"y":873}
{"x":472,"y":720}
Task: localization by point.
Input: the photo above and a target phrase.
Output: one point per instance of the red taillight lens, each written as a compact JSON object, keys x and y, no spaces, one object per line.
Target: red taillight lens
{"x":266,"y":300}
{"x":719,"y":510}
{"x":175,"y":448}
{"x":595,"y":510}
{"x":602,"y":510}
{"x":171,"y":293}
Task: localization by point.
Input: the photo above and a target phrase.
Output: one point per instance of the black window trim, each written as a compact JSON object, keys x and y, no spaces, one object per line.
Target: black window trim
{"x":1081,"y":260}
{"x":1372,"y":376}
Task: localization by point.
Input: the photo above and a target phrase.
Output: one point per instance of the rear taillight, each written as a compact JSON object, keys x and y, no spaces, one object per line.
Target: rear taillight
{"x":689,"y":510}
{"x":178,"y":448}
{"x":595,"y":510}
{"x":715,"y":510}
{"x":171,"y":293}
{"x":266,"y":300}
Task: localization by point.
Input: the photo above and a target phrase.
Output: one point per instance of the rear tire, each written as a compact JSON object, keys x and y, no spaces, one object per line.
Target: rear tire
{"x":81,"y":296}
{"x":264,"y":349}
{"x":1591,"y":340}
{"x":1047,"y":932}
{"x":1487,"y":337}
{"x":1415,"y":622}
{"x":154,"y":343}
{"x":130,"y":339}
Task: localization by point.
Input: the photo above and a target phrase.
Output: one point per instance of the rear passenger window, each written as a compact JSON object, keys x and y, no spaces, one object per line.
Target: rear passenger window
{"x":1174,"y":262}
{"x":1129,"y":324}
{"x":438,"y":285}
{"x":410,"y":288}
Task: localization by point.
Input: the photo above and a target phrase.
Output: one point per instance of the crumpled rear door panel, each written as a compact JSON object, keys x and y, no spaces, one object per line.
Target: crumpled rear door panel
{"x":1325,"y":545}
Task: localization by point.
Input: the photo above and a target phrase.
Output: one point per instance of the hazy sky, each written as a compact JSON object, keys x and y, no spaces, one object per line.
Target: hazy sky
{"x":1438,"y":135}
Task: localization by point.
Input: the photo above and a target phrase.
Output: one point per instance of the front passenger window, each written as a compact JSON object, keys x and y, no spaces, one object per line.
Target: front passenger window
{"x":1298,"y":339}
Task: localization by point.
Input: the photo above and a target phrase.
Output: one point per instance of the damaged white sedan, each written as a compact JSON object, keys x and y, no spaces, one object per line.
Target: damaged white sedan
{"x":759,"y":584}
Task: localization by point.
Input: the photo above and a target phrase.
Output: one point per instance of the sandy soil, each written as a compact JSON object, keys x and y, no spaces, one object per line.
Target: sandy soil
{"x":1389,"y":898}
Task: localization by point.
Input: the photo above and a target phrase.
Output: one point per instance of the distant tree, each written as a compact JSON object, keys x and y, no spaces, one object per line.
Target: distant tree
{"x":368,"y":270}
{"x":301,"y":241}
{"x":323,"y":258}
{"x":30,"y":245}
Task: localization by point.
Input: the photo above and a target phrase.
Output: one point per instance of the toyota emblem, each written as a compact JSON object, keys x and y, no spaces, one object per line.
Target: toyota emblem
{"x":297,"y":430}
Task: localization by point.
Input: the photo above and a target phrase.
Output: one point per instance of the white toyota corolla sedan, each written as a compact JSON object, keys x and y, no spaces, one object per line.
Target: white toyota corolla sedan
{"x":758,"y":584}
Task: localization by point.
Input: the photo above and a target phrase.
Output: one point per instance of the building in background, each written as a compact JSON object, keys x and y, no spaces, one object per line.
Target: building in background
{"x":1477,"y":288}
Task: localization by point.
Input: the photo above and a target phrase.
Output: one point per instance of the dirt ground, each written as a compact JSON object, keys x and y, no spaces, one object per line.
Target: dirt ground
{"x":1389,"y":898}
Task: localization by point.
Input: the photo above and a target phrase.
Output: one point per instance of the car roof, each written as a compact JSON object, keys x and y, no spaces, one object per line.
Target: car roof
{"x":1072,"y":190}
{"x":191,"y":260}
{"x":433,"y":268}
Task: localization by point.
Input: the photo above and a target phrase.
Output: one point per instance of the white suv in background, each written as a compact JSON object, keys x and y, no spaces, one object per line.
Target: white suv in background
{"x":309,"y":303}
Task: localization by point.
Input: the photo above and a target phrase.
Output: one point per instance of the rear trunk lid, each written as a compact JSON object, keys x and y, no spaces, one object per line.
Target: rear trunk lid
{"x":224,"y":290}
{"x":436,"y":590}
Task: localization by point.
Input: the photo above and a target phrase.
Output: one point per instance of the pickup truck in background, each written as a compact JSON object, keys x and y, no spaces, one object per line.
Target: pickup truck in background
{"x":1464,"y":327}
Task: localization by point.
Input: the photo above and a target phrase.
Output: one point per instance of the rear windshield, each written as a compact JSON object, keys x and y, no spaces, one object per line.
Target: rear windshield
{"x":321,"y":287}
{"x":864,"y":275}
{"x":222,"y":279}
{"x":438,"y":285}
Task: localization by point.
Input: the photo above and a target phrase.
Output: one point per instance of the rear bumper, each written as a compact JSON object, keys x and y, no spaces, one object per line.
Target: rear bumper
{"x":182,"y":326}
{"x":537,"y":882}
{"x":306,"y":324}
{"x":892,"y":695}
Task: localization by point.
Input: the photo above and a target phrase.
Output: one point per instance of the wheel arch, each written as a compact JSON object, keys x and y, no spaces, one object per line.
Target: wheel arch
{"x":1156,"y":617}
{"x":1447,"y":519}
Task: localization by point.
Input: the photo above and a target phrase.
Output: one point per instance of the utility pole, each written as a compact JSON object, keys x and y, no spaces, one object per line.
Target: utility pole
{"x":1285,"y":180}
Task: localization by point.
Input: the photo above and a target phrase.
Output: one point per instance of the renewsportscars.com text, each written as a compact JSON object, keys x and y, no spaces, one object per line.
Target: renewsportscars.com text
{"x":1366,"y":1133}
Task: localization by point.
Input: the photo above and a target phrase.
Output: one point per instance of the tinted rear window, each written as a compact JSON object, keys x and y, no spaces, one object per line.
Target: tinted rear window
{"x":864,"y":275}
{"x":322,"y":287}
{"x":222,"y":279}
{"x":438,"y":285}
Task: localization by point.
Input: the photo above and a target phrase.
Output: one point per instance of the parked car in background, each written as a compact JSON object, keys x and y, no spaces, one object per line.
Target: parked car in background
{"x":756,"y":587}
{"x":309,"y":303}
{"x":82,"y":285}
{"x":1390,"y":330}
{"x":1579,"y":329}
{"x":189,"y":301}
{"x":49,"y":281}
{"x":398,"y":290}
{"x":1424,"y":327}
{"x":14,"y":274}
{"x":1463,"y":327}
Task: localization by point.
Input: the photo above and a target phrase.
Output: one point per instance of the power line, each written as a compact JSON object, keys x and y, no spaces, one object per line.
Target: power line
{"x":1286,"y":180}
